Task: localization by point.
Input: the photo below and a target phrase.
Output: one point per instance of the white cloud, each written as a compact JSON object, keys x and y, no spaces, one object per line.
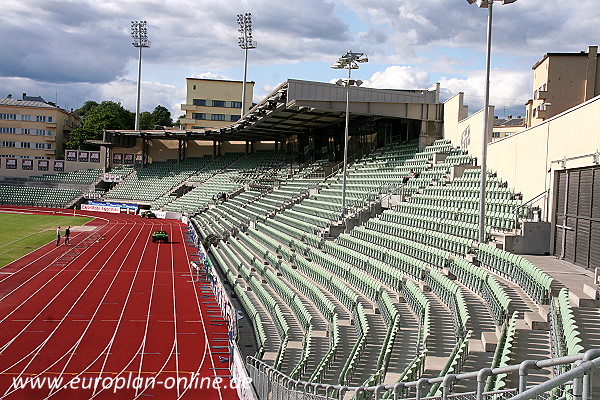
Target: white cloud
{"x":508,"y":89}
{"x":399,"y":77}
{"x":82,"y":48}
{"x":152,"y":94}
{"x":209,"y":75}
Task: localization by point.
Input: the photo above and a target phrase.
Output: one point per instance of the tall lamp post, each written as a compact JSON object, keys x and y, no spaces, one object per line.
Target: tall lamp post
{"x":348,"y":61}
{"x":139,"y":33}
{"x":486,"y":134}
{"x":246,"y":43}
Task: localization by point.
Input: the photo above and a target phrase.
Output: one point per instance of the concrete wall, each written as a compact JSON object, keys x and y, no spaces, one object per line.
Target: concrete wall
{"x":526,"y":158}
{"x":162,"y":150}
{"x":69,"y":166}
{"x":463,"y":130}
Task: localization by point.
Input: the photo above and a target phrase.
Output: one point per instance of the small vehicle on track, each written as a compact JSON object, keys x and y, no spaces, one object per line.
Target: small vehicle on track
{"x":147,"y":214}
{"x":158,"y":236}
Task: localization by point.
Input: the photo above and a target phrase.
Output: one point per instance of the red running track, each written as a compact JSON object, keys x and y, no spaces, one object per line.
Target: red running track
{"x":113,"y":316}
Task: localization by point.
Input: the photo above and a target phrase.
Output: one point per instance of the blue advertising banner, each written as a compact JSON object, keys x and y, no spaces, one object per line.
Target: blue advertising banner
{"x":107,"y":204}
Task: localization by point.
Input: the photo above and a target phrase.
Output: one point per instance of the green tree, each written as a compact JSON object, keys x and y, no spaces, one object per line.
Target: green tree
{"x":106,"y":115}
{"x":146,"y":120}
{"x":161,"y":116}
{"x":86,"y":108}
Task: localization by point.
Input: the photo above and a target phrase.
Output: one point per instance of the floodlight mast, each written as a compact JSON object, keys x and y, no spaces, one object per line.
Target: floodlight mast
{"x":486,"y":131}
{"x":139,"y":34}
{"x":348,"y":61}
{"x":246,"y":43}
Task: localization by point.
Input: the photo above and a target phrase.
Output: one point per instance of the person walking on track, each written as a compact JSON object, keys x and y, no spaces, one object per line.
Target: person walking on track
{"x":67,"y":233}
{"x":58,"y":235}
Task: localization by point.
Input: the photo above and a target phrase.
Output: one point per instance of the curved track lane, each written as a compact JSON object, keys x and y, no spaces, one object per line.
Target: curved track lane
{"x":125,"y":312}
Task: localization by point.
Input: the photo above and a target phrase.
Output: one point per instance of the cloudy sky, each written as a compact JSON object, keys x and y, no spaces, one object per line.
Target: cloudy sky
{"x":71,"y":51}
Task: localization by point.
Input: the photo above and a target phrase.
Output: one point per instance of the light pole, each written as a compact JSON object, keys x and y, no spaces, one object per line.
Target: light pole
{"x":139,"y":33}
{"x":246,"y":42}
{"x":489,"y":5}
{"x":348,"y":61}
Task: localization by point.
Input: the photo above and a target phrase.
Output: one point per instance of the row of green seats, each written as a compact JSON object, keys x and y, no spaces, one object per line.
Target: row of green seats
{"x":452,"y":296}
{"x":444,"y":241}
{"x":534,"y":281}
{"x":365,"y":240}
{"x":485,"y":285}
{"x":455,"y":362}
{"x":503,"y":354}
{"x":329,"y":358}
{"x":361,"y":325}
{"x":306,"y":354}
{"x":456,"y":228}
{"x":570,"y":331}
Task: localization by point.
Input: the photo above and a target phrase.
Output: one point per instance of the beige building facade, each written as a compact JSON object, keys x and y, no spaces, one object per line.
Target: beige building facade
{"x":562,"y":81}
{"x":212,"y":103}
{"x":32,"y":129}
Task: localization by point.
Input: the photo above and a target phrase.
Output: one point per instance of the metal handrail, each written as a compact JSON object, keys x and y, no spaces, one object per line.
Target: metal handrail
{"x":544,"y":194}
{"x":580,"y":375}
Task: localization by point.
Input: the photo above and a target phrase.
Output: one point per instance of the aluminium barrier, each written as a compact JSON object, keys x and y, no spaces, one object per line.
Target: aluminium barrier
{"x":271,"y":384}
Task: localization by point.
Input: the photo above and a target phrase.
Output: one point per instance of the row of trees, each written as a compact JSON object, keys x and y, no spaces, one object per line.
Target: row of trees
{"x":111,"y":115}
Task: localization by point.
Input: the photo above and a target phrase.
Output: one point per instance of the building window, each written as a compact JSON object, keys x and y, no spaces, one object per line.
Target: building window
{"x":199,"y":102}
{"x":43,"y":132}
{"x":7,"y":143}
{"x":194,"y":87}
{"x":218,"y":103}
{"x":234,"y":118}
{"x":4,"y":129}
{"x":43,"y":146}
{"x":495,"y":134}
{"x":25,"y":145}
{"x":9,"y":116}
{"x":26,"y":117}
{"x":236,"y":104}
{"x":198,"y":115}
{"x":217,"y":117}
{"x":43,"y":118}
{"x":25,"y":131}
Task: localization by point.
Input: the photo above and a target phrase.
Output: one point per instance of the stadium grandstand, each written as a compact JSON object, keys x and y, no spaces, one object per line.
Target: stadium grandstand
{"x":388,"y":293}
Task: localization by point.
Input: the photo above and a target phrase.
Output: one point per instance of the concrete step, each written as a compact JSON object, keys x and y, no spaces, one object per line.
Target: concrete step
{"x":538,"y":320}
{"x":579,"y":298}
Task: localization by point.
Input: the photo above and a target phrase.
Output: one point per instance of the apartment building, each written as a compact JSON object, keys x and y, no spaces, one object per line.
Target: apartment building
{"x":212,"y":103}
{"x":508,"y":126}
{"x":562,"y":81}
{"x":30,"y":129}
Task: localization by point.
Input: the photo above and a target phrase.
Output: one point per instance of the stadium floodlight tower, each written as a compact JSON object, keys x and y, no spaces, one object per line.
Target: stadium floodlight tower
{"x":348,"y":61}
{"x":246,"y":43}
{"x":486,"y":134}
{"x":139,"y":34}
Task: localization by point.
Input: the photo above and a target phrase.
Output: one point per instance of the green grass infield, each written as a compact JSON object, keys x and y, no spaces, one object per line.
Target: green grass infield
{"x":23,"y":233}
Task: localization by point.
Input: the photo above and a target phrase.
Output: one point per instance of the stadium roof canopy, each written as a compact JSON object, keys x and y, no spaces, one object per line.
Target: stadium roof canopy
{"x":296,"y":106}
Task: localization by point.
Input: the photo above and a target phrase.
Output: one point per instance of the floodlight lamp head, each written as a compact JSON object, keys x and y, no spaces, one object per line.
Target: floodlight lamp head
{"x":337,"y":65}
{"x":339,"y":82}
{"x":358,"y":82}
